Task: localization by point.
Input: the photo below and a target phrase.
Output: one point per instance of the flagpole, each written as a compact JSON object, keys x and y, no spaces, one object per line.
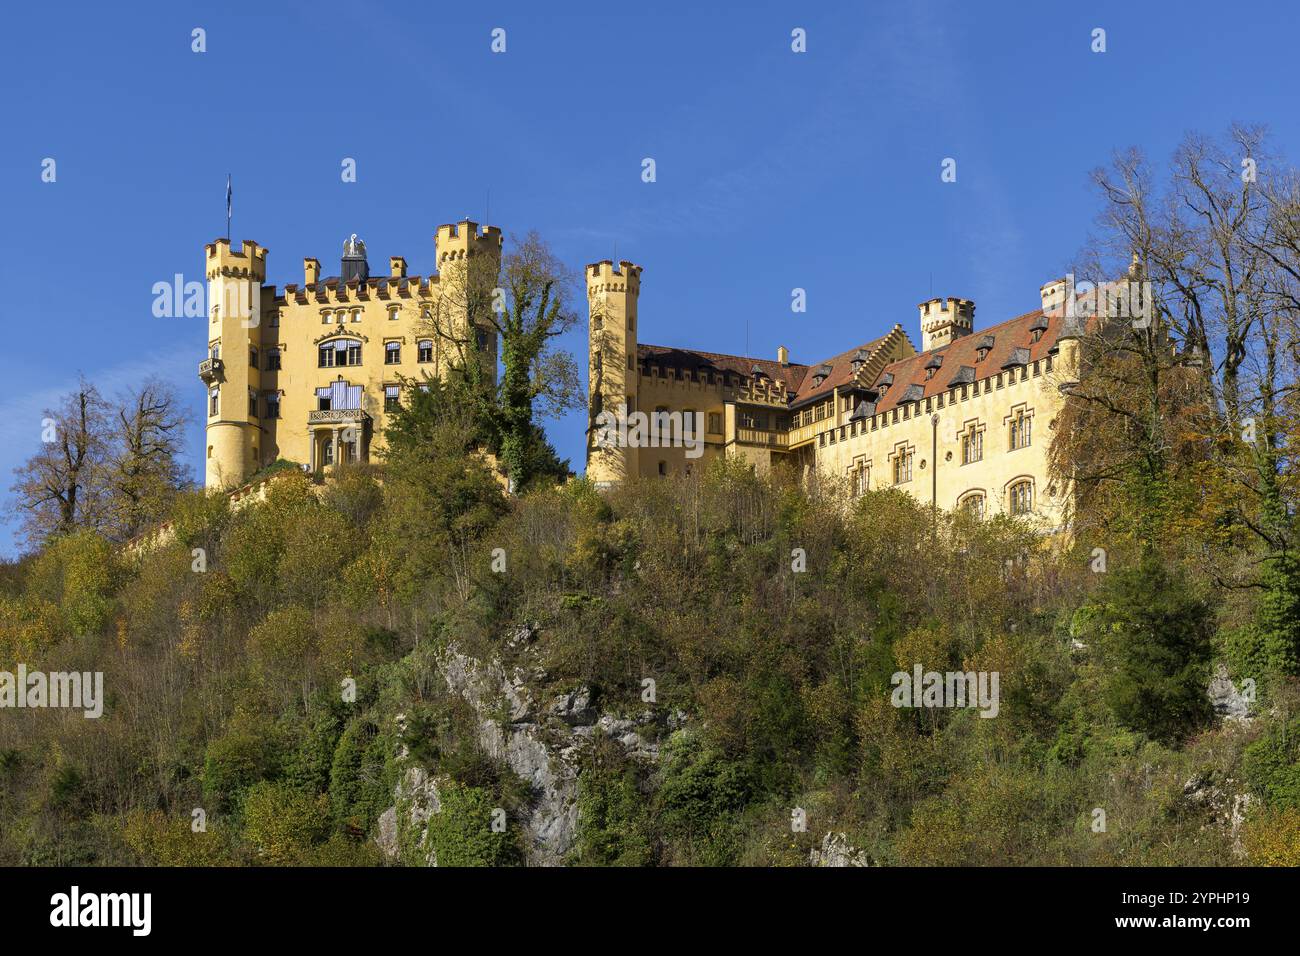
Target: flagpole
{"x":227,"y":208}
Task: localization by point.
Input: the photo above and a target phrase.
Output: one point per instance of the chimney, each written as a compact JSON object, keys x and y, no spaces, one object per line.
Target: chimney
{"x":310,"y":271}
{"x":1053,"y":295}
{"x":396,"y":267}
{"x":783,"y":355}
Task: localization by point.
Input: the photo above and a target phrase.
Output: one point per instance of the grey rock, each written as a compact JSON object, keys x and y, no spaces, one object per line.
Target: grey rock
{"x":1228,"y":701}
{"x":837,"y":851}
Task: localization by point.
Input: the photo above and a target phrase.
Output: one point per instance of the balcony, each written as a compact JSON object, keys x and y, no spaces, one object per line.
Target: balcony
{"x":338,"y":416}
{"x":212,"y":370}
{"x":758,"y":436}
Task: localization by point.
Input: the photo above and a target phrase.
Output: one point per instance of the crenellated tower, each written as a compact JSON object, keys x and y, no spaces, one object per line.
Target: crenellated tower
{"x":469,"y":266}
{"x":235,"y":320}
{"x":943,"y":320}
{"x":612,"y":362}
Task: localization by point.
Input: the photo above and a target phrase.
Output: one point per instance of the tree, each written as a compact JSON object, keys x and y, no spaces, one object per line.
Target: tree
{"x":1178,"y":428}
{"x":61,"y":487}
{"x":144,"y":473}
{"x":526,"y":312}
{"x":1154,"y":638}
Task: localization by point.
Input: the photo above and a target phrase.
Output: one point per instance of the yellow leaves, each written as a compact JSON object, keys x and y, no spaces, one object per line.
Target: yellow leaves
{"x":1273,"y":838}
{"x":28,"y":627}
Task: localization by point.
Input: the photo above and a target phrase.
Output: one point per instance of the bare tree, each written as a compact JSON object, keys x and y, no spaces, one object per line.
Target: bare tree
{"x":1208,"y":244}
{"x":61,"y":487}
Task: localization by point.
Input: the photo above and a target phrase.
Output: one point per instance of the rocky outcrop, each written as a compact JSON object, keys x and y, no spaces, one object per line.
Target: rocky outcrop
{"x":1223,"y":804}
{"x":1228,"y":701}
{"x":540,"y":744}
{"x":837,"y":851}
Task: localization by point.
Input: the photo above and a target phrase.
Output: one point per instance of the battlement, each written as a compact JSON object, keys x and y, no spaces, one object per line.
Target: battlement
{"x":604,"y":277}
{"x":248,"y":263}
{"x":456,"y":240}
{"x":943,"y":320}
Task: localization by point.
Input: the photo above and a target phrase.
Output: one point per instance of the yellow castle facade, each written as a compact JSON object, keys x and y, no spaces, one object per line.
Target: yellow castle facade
{"x":308,"y":373}
{"x":964,"y":422}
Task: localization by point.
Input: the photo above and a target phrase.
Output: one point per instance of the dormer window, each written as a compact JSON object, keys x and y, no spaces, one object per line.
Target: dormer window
{"x":981,"y":354}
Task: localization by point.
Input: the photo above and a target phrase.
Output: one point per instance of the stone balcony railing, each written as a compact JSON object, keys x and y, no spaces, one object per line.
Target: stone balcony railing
{"x":771,"y":396}
{"x":338,"y":416}
{"x":212,"y":370}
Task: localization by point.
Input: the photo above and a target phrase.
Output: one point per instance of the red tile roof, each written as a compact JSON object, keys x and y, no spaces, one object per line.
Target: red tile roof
{"x":1007,"y":338}
{"x":839,"y":372}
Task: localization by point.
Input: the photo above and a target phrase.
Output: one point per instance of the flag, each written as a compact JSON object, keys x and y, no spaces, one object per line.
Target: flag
{"x":228,"y":195}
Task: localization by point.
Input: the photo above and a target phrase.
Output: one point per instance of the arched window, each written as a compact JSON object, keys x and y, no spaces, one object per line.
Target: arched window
{"x":1020,"y":497}
{"x":972,"y":503}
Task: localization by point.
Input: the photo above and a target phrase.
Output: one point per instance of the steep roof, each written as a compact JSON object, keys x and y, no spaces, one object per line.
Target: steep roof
{"x":908,"y":376}
{"x":840,"y":372}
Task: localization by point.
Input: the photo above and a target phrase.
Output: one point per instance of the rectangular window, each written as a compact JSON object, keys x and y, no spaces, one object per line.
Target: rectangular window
{"x":903,"y":468}
{"x":1021,"y":427}
{"x":273,"y":360}
{"x":252,"y":357}
{"x":212,"y":401}
{"x":392,"y":353}
{"x":392,"y":397}
{"x":252,"y":404}
{"x":972,"y":447}
{"x":424,"y":351}
{"x":715,"y":423}
{"x":272,"y":404}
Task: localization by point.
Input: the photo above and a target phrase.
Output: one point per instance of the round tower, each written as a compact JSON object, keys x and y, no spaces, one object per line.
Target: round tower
{"x":231,"y":371}
{"x":613,"y":371}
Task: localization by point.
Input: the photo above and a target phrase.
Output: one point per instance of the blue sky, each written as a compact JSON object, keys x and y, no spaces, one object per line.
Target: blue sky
{"x":775,"y":170}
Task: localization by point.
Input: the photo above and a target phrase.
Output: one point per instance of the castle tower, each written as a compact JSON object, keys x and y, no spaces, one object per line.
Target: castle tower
{"x":469,"y":267}
{"x":231,"y":371}
{"x":612,"y":362}
{"x":943,"y":320}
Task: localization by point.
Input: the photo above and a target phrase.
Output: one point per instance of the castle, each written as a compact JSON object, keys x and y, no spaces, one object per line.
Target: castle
{"x":309,"y":373}
{"x":966,"y":422}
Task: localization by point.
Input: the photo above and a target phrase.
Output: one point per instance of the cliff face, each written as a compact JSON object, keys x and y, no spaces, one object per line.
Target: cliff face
{"x":539,"y":744}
